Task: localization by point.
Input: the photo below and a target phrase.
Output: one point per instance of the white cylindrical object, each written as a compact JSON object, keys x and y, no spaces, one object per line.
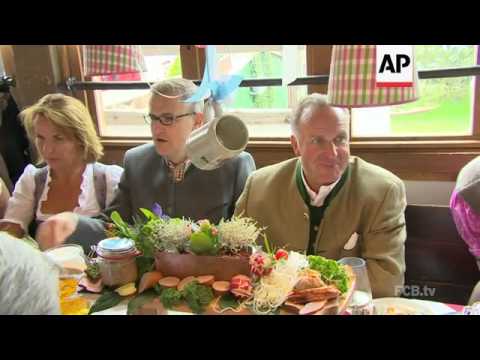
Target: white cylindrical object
{"x":69,"y":257}
{"x":217,"y":141}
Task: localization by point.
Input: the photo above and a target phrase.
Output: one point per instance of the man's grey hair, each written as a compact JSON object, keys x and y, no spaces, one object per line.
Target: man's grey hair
{"x":28,"y":279}
{"x":183,"y":88}
{"x":307,"y":107}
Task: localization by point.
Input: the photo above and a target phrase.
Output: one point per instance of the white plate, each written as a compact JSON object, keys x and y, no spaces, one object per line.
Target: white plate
{"x":402,"y":306}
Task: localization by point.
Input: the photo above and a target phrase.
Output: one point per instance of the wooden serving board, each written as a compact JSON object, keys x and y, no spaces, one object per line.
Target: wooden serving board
{"x":339,"y":306}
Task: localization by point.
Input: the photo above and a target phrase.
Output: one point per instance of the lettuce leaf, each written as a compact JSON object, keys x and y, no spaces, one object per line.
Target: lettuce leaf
{"x":330,"y":271}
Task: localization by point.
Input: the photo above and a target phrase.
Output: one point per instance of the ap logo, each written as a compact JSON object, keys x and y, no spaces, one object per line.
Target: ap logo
{"x":394,"y":66}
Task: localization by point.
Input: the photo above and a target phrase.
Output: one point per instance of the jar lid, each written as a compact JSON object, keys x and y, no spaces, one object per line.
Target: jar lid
{"x":116,"y":245}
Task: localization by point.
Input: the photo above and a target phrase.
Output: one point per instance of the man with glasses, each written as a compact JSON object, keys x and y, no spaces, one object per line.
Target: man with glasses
{"x":160,"y":172}
{"x":328,"y":203}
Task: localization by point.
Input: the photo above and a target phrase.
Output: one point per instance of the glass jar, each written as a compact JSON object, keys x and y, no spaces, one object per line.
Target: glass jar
{"x":116,"y":260}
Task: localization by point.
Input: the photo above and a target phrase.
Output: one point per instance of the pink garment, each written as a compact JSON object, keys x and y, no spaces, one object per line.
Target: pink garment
{"x":467,"y":222}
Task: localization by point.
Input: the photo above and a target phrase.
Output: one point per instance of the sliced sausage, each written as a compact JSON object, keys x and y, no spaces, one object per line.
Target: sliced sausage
{"x":312,"y":307}
{"x":206,"y":280}
{"x":221,"y":287}
{"x":169,"y":282}
{"x":292,"y":307}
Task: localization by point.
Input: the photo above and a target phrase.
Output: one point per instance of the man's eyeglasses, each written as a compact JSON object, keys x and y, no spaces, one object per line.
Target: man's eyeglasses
{"x":166,"y":119}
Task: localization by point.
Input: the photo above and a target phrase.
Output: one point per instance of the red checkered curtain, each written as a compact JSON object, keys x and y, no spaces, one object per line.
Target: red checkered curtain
{"x":352,"y":80}
{"x":112,"y":60}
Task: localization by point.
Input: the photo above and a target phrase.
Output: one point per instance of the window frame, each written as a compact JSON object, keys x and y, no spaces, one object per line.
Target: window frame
{"x":411,"y":158}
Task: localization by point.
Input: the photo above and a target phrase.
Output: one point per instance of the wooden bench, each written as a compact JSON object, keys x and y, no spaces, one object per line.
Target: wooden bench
{"x":437,"y":257}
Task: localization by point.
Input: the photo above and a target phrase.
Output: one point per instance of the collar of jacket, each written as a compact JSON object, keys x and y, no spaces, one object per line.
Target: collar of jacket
{"x":303,"y":190}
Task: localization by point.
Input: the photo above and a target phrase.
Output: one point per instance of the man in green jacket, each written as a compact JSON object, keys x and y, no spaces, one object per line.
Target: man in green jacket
{"x":329,"y":203}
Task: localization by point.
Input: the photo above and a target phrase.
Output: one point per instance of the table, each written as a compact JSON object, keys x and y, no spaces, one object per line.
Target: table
{"x":436,"y":308}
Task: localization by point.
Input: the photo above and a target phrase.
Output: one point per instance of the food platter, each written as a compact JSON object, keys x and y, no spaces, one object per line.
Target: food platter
{"x":323,"y":304}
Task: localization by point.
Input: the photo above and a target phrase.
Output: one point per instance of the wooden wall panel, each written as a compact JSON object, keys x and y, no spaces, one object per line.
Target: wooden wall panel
{"x":420,"y":165}
{"x":36,"y":72}
{"x":318,"y":63}
{"x":193,"y":61}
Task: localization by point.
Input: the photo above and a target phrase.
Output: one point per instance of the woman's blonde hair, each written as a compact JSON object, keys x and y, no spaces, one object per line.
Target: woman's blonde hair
{"x":71,"y":116}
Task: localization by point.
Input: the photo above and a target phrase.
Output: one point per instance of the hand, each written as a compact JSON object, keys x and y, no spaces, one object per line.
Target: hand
{"x":56,"y":230}
{"x":13,"y":229}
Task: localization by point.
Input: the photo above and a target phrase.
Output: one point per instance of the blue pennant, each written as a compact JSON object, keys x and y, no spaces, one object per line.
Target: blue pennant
{"x":217,"y":89}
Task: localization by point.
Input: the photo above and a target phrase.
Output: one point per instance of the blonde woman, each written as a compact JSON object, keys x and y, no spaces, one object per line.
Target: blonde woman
{"x":72,"y":180}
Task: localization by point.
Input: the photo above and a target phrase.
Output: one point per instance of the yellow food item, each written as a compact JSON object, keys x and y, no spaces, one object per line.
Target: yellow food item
{"x":127,"y":289}
{"x":70,"y":304}
{"x":74,"y":306}
{"x":68,"y":287}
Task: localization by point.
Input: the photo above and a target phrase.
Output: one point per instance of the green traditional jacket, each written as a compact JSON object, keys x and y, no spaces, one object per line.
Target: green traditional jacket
{"x":316,"y":212}
{"x":364,"y":217}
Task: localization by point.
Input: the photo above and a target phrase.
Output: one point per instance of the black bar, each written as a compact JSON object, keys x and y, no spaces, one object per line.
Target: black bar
{"x":72,"y":84}
{"x":447,"y":73}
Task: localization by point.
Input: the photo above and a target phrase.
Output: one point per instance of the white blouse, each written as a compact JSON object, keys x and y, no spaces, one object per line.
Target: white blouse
{"x":20,"y":206}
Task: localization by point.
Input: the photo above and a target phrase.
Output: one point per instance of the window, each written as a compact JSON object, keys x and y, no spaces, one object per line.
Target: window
{"x":264,"y":109}
{"x":445,"y":105}
{"x":120,"y":112}
{"x":404,"y":139}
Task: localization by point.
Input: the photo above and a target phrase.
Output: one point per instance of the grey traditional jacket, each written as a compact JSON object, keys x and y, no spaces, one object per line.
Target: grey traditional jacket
{"x":146,"y":180}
